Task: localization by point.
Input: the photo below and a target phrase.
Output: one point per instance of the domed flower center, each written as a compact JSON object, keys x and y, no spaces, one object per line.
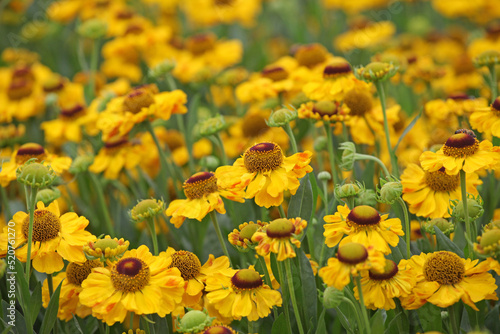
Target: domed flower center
{"x":460,"y":96}
{"x":76,"y":273}
{"x":390,"y":270}
{"x":325,"y":108}
{"x":358,"y":101}
{"x":248,"y":231}
{"x":280,"y":228}
{"x":263,"y":157}
{"x":133,"y":29}
{"x":137,"y":99}
{"x":73,"y":111}
{"x":105,"y":243}
{"x":200,"y":184}
{"x":462,"y":144}
{"x":254,"y":125}
{"x":19,"y":89}
{"x":22,"y":72}
{"x":201,"y":43}
{"x":53,"y":84}
{"x":174,"y":140}
{"x":363,"y":216}
{"x":223,"y":3}
{"x":496,"y":106}
{"x":115,"y":144}
{"x":246,"y":279}
{"x":310,"y":55}
{"x":218,"y":329}
{"x":188,"y":264}
{"x":124,"y":14}
{"x":46,"y":226}
{"x":130,"y":274}
{"x":146,"y":207}
{"x":444,"y":267}
{"x":275,"y":73}
{"x":336,"y":69}
{"x":490,"y":238}
{"x":352,"y":253}
{"x":440,"y":181}
{"x":29,"y":151}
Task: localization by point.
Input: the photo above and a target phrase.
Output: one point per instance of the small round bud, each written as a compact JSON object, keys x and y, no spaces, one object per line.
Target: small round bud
{"x":147,"y":208}
{"x":389,"y":191}
{"x":487,"y":58}
{"x":194,"y":321}
{"x":376,"y":71}
{"x":474,"y":205}
{"x":212,"y":126}
{"x":106,"y":249}
{"x":419,"y":25}
{"x":162,"y":69}
{"x":324,"y":176}
{"x":48,"y":195}
{"x":81,"y":164}
{"x":51,"y":99}
{"x":332,"y":297}
{"x":320,"y":144}
{"x":281,"y":117}
{"x":446,"y":226}
{"x":367,"y":197}
{"x":93,"y":29}
{"x":348,"y":190}
{"x":35,"y":174}
{"x":348,"y":155}
{"x":210,"y":162}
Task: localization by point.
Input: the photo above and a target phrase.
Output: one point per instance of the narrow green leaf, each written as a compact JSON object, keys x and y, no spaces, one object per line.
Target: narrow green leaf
{"x":344,"y":320}
{"x":445,"y":244}
{"x":51,"y":313}
{"x":300,"y":204}
{"x":279,"y":325}
{"x":377,"y":321}
{"x":35,"y":302}
{"x":77,"y":325}
{"x":24,"y":292}
{"x":491,"y":321}
{"x":321,"y":323}
{"x":308,"y":289}
{"x":408,"y":128}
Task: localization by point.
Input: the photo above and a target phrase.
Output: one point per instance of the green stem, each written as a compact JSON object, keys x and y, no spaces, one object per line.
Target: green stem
{"x":50,"y":283}
{"x":494,"y":83}
{"x":327,"y":209}
{"x":355,"y":309}
{"x":331,"y":152}
{"x":381,"y":94}
{"x":220,"y":144}
{"x":94,"y":58}
{"x":360,"y":156}
{"x":131,"y":324}
{"x":267,"y":279}
{"x":213,"y":215}
{"x":290,"y":134}
{"x":189,"y":146}
{"x":5,"y":204}
{"x":407,"y":226}
{"x":468,"y":228}
{"x":152,"y":230}
{"x":453,"y":320}
{"x":31,"y":204}
{"x":101,"y":202}
{"x":171,"y":82}
{"x":288,"y":269}
{"x":282,"y":211}
{"x":285,"y":298}
{"x":363,"y":306}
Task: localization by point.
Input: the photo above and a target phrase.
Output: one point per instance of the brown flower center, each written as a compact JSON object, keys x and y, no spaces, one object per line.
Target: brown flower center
{"x":325,"y":108}
{"x":363,"y":216}
{"x":352,"y":253}
{"x":254,"y":126}
{"x":201,"y":43}
{"x":46,"y":226}
{"x":280,"y":228}
{"x":73,"y":111}
{"x":246,"y":279}
{"x":130,"y":274}
{"x":440,"y":181}
{"x":390,"y":270}
{"x":496,"y":106}
{"x":76,"y":273}
{"x":263,"y":157}
{"x":358,"y":101}
{"x":460,"y":145}
{"x":138,"y":98}
{"x":29,"y":151}
{"x":200,"y":184}
{"x":218,"y":329}
{"x":444,"y":267}
{"x":310,"y":55}
{"x":115,"y":144}
{"x":188,"y":264}
{"x":19,"y":89}
{"x":336,"y":69}
{"x":275,"y":73}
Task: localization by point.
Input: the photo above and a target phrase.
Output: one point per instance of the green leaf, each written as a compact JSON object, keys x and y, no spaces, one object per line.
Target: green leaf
{"x":430,"y":317}
{"x":51,"y":313}
{"x":301,"y":204}
{"x":408,"y":128}
{"x":321,"y":323}
{"x":344,"y":320}
{"x":279,"y":325}
{"x":24,"y":292}
{"x":377,"y":321}
{"x":491,"y":321}
{"x":392,"y":325}
{"x":445,"y":244}
{"x":36,"y":302}
{"x":308,"y":289}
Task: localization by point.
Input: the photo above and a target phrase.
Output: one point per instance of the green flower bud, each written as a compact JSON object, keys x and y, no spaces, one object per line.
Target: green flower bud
{"x":212,"y":126}
{"x":93,"y":29}
{"x":48,"y":195}
{"x":81,"y":164}
{"x":446,"y":226}
{"x":332,"y":297}
{"x":194,"y":321}
{"x":281,"y":117}
{"x":348,"y":190}
{"x":210,"y":162}
{"x":488,"y":244}
{"x":367,"y":197}
{"x":35,"y":174}
{"x":51,"y":99}
{"x":487,"y":58}
{"x":147,"y":208}
{"x":348,"y":155}
{"x":376,"y":71}
{"x":162,"y":69}
{"x":474,"y":205}
{"x":324,"y":176}
{"x":320,"y":143}
{"x":390,"y":190}
{"x":419,"y":25}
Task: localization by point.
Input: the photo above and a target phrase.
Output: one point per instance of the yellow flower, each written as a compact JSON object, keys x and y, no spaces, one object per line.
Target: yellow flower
{"x":203,"y":191}
{"x":67,"y":127}
{"x":428,"y":193}
{"x":323,"y":110}
{"x":55,"y":237}
{"x":446,"y":111}
{"x":363,"y":225}
{"x":26,"y":152}
{"x":369,"y":35}
{"x":487,"y":120}
{"x":213,"y":12}
{"x":241,"y":238}
{"x":380,"y":288}
{"x":462,"y":151}
{"x":266,"y":173}
{"x":352,"y":259}
{"x":139,"y":282}
{"x":242,"y":295}
{"x":278,"y":236}
{"x":72,"y":278}
{"x":106,"y":249}
{"x":444,"y":278}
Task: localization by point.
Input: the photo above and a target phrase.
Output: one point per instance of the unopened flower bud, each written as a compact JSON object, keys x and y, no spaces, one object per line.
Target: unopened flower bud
{"x":194,"y":321}
{"x":210,"y":162}
{"x":474,"y":206}
{"x":147,"y":208}
{"x":376,"y":71}
{"x":389,"y":191}
{"x":348,"y":155}
{"x":212,"y":126}
{"x":163,"y":68}
{"x":332,"y":297}
{"x":367,"y":197}
{"x":281,"y":117}
{"x":348,"y":190}
{"x":324,"y":176}
{"x":93,"y":28}
{"x":446,"y":226}
{"x":35,"y":174}
{"x":81,"y":164}
{"x":320,"y":143}
{"x":48,"y":195}
{"x":487,"y":58}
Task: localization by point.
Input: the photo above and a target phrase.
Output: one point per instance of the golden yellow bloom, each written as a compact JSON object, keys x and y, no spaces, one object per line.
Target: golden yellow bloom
{"x":354,"y":7}
{"x":69,"y":302}
{"x":55,"y":237}
{"x":487,"y":120}
{"x":363,"y":225}
{"x":139,"y":282}
{"x":323,"y":110}
{"x":106,"y":249}
{"x":446,"y":111}
{"x":266,"y":173}
{"x":242,"y":295}
{"x":352,"y":259}
{"x":368,"y":35}
{"x":380,"y":288}
{"x":278,"y":237}
{"x":241,"y":238}
{"x":462,"y":151}
{"x":428,"y":193}
{"x":213,"y":12}
{"x":203,"y":191}
{"x":444,"y":278}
